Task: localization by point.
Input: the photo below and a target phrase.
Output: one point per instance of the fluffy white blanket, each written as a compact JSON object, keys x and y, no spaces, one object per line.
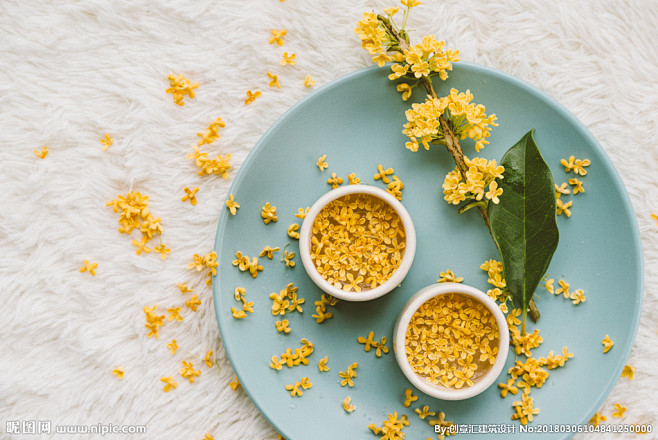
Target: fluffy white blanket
{"x":73,"y":71}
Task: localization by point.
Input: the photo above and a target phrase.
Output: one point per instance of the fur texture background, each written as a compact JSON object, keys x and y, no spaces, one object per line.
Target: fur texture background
{"x":72,"y":71}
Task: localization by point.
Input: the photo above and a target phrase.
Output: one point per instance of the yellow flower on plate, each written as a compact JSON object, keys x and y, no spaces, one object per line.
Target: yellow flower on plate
{"x":424,"y":412}
{"x":335,"y":181}
{"x":301,"y":212}
{"x":322,"y":364}
{"x":287,"y":258}
{"x":321,"y":162}
{"x":409,"y":397}
{"x":277,"y":36}
{"x":607,"y":344}
{"x":347,"y":405}
{"x":449,"y":277}
{"x":564,"y":288}
{"x":577,"y":185}
{"x":282,"y":326}
{"x":564,"y":207}
{"x":232,"y":205}
{"x":405,"y":89}
{"x":269,"y":213}
{"x":292,"y":231}
{"x":549,"y":285}
{"x":577,"y":297}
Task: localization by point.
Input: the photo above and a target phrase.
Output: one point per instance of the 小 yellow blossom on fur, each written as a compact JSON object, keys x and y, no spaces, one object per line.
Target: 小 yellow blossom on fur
{"x":169,"y":384}
{"x":190,"y":194}
{"x":277,"y":36}
{"x":106,"y":141}
{"x":274,"y":80}
{"x":162,"y":250}
{"x":181,"y":86}
{"x":251,"y":96}
{"x":41,"y":154}
{"x":118,"y":372}
{"x":628,"y":371}
{"x":288,"y":59}
{"x":173,"y":346}
{"x":308,"y":81}
{"x":87,"y":266}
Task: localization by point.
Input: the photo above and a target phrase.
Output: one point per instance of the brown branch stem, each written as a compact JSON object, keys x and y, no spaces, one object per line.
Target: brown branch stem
{"x":451,"y":140}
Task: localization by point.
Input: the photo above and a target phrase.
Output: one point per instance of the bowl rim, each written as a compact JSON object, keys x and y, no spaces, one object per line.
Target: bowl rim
{"x":398,"y":274}
{"x":399,"y":340}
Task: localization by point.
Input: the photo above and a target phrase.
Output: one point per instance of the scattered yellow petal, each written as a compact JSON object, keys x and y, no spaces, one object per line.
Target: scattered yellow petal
{"x":251,"y":96}
{"x":190,"y":195}
{"x":208,"y":359}
{"x":292,"y":231}
{"x":170,"y":384}
{"x":288,"y":59}
{"x":173,"y":346}
{"x":107,"y":141}
{"x":232,"y":205}
{"x":607,"y":344}
{"x":628,"y":371}
{"x":235,"y":384}
{"x":118,"y":372}
{"x":277,"y":36}
{"x":347,"y":406}
{"x":308,"y":81}
{"x":619,"y":411}
{"x":41,"y":154}
{"x":274,"y":80}
{"x":91,"y":267}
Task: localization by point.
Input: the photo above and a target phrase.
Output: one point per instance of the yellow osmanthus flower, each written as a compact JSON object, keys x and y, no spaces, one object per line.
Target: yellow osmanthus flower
{"x":549,"y":285}
{"x":287,"y":258}
{"x":577,"y":185}
{"x":207,"y":437}
{"x":508,"y":387}
{"x":169,"y":383}
{"x":335,"y":181}
{"x":382,"y":174}
{"x":409,"y":397}
{"x":288,"y":59}
{"x":91,"y":267}
{"x":282,"y":326}
{"x":294,"y":389}
{"x":238,"y":314}
{"x":449,"y":277}
{"x":183,"y":288}
{"x":212,"y":132}
{"x":564,"y":288}
{"x":136,"y":215}
{"x":372,"y":37}
{"x":577,"y":297}
{"x":41,"y":154}
{"x":525,"y":410}
{"x":321,"y":162}
{"x":107,"y":141}
{"x":189,"y":372}
{"x":277,"y":36}
{"x":424,"y":412}
{"x":380,"y":347}
{"x":251,"y":96}
{"x":118,"y":372}
{"x":308,"y":81}
{"x":628,"y":371}
{"x":141,"y":246}
{"x":208,"y":261}
{"x":208,"y":359}
{"x":411,"y":3}
{"x":655,"y":217}
{"x":173,"y":346}
{"x":619,"y":411}
{"x":268,"y":251}
{"x":481,"y":173}
{"x":218,"y":166}
{"x":391,"y":11}
{"x":301,"y":212}
{"x":274,"y":80}
{"x":153,"y":321}
{"x":426,"y":58}
{"x":579,"y":166}
{"x":405,"y":89}
{"x":235,"y":384}
{"x":269,"y":213}
{"x":179,"y":87}
{"x":348,"y":375}
{"x":162,"y":250}
{"x":190,"y":194}
{"x":607,"y":344}
{"x":597,"y":418}
{"x":352,"y":179}
{"x":347,"y":406}
{"x":564,"y":207}
{"x":322,"y":364}
{"x":174,"y":313}
{"x":391,"y":428}
{"x":562,"y":189}
{"x":292,"y":231}
{"x":321,"y":308}
{"x":232,"y":205}
{"x":193,"y":303}
{"x":468,"y":120}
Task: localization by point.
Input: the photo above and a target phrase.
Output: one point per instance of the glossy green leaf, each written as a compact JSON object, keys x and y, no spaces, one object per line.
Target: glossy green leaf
{"x":523,"y":223}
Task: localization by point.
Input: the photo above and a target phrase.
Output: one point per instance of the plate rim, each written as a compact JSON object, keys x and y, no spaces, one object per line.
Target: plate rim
{"x":628,"y":209}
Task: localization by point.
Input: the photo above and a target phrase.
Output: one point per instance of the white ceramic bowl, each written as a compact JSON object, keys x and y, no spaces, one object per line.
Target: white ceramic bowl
{"x":400,"y":331}
{"x":365,"y":294}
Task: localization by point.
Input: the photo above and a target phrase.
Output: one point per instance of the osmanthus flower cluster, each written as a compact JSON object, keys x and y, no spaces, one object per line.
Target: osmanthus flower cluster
{"x":415,"y":65}
{"x":478,"y":184}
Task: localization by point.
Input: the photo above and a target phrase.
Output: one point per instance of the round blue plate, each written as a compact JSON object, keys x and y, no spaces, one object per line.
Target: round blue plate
{"x":357,"y":121}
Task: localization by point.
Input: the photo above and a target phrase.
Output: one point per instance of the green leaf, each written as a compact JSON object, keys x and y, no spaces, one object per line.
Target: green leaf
{"x":523,"y":223}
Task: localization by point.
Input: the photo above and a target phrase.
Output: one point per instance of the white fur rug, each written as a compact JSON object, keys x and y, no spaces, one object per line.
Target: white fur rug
{"x":73,"y":71}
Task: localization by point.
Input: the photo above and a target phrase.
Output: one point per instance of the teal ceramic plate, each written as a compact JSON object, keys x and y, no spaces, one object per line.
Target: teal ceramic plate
{"x":357,"y":121}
